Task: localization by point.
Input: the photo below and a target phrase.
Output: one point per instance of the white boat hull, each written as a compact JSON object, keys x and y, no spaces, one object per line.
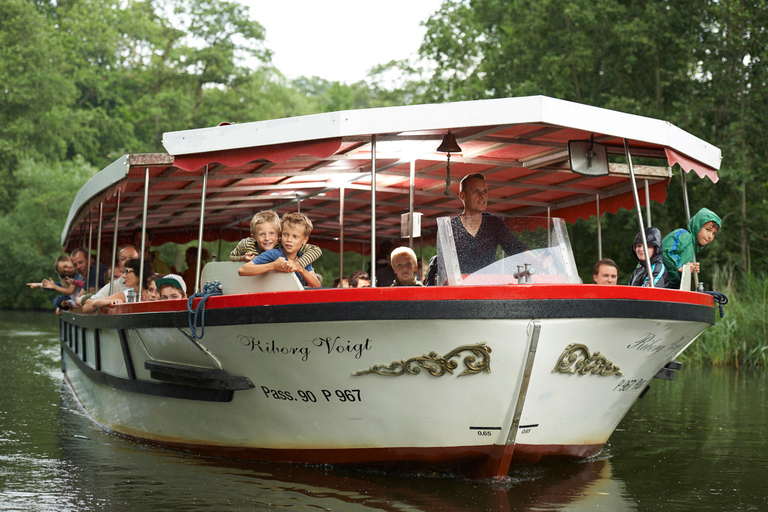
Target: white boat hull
{"x":295,"y":385}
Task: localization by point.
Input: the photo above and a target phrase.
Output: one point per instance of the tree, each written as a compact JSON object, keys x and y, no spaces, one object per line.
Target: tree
{"x":35,"y":115}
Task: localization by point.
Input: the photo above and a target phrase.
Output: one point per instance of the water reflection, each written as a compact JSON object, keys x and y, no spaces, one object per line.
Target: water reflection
{"x":695,"y":443}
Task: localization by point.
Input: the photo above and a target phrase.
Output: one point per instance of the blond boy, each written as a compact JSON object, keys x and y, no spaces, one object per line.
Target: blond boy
{"x":403,"y":261}
{"x":295,"y":230}
{"x":265,"y":236}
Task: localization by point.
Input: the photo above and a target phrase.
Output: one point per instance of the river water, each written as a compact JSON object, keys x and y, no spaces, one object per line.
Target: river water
{"x":696,"y":443}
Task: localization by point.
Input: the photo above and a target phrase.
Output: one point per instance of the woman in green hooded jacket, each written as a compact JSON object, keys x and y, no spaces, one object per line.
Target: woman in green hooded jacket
{"x":681,"y":246}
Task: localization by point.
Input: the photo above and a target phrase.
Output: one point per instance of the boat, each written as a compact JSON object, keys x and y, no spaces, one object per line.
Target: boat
{"x":518,"y":362}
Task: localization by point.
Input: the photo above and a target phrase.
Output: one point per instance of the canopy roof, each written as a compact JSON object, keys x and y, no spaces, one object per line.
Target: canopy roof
{"x":519,"y":144}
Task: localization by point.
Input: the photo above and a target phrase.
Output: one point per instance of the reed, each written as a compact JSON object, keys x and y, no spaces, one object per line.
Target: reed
{"x":740,"y":339}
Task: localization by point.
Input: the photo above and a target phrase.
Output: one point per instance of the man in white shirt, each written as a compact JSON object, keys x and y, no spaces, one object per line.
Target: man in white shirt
{"x":128,"y":252}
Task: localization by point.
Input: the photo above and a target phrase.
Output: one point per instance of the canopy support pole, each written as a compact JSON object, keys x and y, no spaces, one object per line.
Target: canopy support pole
{"x":373,"y":210}
{"x":114,"y":241}
{"x":599,"y":230}
{"x":411,"y":196}
{"x":639,"y":214}
{"x":341,"y":236}
{"x":98,"y":248}
{"x":200,"y":234}
{"x":647,"y":203}
{"x":688,"y":221}
{"x":143,"y":232}
{"x":88,"y":256}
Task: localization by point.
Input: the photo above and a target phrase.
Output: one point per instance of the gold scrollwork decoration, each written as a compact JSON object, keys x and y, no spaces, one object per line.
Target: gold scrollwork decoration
{"x":577,"y":355}
{"x":477,"y":362}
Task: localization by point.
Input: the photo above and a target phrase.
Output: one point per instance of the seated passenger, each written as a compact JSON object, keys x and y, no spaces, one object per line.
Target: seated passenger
{"x":265,"y":235}
{"x":296,"y":228}
{"x":359,"y":279}
{"x":640,"y":276}
{"x":150,"y":291}
{"x":132,"y":278}
{"x":190,"y":258}
{"x":128,"y":252}
{"x":605,"y":271}
{"x":171,"y":286}
{"x":404,"y":263}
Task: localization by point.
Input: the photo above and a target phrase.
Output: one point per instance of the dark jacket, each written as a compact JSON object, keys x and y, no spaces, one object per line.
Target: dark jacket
{"x":640,"y":276}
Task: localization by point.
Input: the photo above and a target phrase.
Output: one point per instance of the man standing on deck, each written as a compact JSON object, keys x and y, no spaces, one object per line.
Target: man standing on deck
{"x":128,"y":252}
{"x":476,"y":234}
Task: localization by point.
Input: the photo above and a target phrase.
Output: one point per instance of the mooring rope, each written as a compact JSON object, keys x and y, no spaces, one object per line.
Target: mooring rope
{"x":209,"y":290}
{"x":720,"y":299}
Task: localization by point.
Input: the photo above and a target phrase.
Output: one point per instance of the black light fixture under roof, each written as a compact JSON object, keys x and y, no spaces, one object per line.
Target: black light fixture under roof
{"x":448,"y":145}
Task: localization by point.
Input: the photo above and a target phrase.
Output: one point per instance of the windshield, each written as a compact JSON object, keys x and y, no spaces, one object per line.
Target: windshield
{"x":542,"y":252}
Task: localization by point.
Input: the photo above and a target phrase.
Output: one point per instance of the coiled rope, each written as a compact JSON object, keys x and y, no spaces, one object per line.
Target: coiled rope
{"x":209,"y":290}
{"x":720,"y":299}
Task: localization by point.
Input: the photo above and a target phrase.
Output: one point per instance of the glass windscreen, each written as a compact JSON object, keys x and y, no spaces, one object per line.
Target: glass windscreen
{"x":514,"y":250}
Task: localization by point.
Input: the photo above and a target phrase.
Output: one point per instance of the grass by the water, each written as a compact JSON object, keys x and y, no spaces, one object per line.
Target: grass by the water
{"x":740,"y":338}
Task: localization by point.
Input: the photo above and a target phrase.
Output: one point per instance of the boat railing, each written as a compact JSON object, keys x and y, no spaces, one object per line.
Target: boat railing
{"x":232,"y":283}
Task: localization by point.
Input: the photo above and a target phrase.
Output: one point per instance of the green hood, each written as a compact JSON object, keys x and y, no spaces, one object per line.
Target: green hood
{"x":702,"y":217}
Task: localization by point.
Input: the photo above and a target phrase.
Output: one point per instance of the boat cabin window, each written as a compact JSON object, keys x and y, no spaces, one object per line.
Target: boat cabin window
{"x":548,"y":257}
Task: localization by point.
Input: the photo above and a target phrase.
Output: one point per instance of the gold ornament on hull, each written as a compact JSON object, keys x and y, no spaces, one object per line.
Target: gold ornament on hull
{"x":477,"y":362}
{"x":577,"y":356}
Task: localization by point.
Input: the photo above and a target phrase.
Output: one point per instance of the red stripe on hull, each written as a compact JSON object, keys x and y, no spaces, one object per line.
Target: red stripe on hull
{"x":428,"y":293}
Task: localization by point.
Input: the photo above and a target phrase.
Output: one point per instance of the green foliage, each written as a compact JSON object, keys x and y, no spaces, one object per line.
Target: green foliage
{"x":740,"y":338}
{"x":30,"y":233}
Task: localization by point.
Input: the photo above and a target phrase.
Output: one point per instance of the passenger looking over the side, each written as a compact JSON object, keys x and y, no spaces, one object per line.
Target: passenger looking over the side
{"x":70,"y":284}
{"x":132,"y":278}
{"x":640,"y":276}
{"x":79,"y":259}
{"x":605,"y":271}
{"x":681,"y":245}
{"x":265,"y":235}
{"x":476,"y":233}
{"x":404,"y":264}
{"x":171,"y":286}
{"x":128,"y":252}
{"x":296,"y":228}
{"x":359,"y":279}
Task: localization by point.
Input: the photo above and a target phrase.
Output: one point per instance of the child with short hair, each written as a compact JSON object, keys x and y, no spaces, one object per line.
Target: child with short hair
{"x":265,"y":235}
{"x":403,"y":261}
{"x":640,"y":276}
{"x":295,"y":228}
{"x":171,"y":287}
{"x":70,"y":283}
{"x":680,"y":246}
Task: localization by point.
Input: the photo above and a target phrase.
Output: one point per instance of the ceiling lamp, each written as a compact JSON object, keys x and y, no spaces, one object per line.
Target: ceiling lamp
{"x":449,"y":145}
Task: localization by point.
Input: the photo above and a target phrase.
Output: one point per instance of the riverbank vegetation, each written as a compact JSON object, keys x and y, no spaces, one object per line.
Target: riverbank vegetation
{"x":85,"y":81}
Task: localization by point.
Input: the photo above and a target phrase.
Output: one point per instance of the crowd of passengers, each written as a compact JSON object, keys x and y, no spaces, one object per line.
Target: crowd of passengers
{"x":281,"y":245}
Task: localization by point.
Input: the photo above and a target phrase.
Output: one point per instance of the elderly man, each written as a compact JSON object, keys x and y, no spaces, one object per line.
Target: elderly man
{"x":79,"y":258}
{"x":605,"y":271}
{"x":128,"y":252}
